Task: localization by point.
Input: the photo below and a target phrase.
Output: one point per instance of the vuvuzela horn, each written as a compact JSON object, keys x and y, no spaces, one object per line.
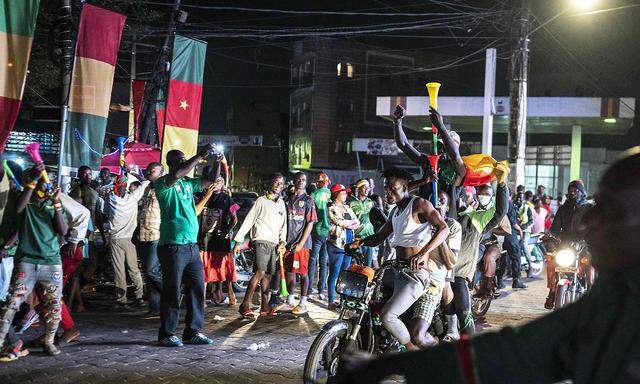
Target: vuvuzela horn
{"x":433,"y":89}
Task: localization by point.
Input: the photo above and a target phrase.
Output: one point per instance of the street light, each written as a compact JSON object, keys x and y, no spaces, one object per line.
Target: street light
{"x":584,"y":5}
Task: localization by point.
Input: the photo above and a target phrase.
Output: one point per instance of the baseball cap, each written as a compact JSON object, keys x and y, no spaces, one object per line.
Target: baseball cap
{"x":337,"y":188}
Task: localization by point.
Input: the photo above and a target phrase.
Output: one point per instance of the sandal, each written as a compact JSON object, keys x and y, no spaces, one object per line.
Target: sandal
{"x":247,"y":314}
{"x":270,"y":313}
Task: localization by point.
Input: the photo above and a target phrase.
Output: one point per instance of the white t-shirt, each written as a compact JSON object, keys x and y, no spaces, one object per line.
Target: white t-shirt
{"x":122,"y":212}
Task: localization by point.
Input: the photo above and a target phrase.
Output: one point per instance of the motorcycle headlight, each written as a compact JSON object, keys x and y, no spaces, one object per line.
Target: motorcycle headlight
{"x":352,"y":284}
{"x":566,"y":257}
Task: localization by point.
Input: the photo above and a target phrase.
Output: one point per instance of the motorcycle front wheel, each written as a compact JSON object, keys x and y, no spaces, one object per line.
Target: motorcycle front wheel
{"x":324,"y":355}
{"x":563,"y":296}
{"x":480,"y":306}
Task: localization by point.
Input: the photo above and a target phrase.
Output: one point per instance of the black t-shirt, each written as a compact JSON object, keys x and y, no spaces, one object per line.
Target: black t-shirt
{"x":215,"y":221}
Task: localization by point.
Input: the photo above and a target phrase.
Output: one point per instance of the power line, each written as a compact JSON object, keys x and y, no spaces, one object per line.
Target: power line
{"x":293,"y":12}
{"x":458,"y":62}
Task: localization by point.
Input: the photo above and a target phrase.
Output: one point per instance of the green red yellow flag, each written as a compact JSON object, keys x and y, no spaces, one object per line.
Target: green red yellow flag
{"x":97,"y":45}
{"x":17,"y":26}
{"x":182,"y":113}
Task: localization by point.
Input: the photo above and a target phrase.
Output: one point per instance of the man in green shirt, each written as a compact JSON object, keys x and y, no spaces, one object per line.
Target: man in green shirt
{"x":37,"y":260}
{"x":594,"y":340}
{"x":362,"y":206}
{"x":319,"y":257}
{"x":178,"y":248}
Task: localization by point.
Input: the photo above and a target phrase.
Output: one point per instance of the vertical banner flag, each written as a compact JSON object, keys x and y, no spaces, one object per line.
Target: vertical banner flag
{"x":91,"y":82}
{"x":182,"y":119}
{"x":17,"y":25}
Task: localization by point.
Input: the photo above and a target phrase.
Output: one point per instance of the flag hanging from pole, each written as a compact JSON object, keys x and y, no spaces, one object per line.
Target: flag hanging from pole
{"x":17,"y":25}
{"x":182,"y":113}
{"x":97,"y":47}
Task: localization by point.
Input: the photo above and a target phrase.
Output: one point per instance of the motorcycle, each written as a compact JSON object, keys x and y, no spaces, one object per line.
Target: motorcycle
{"x":574,"y":274}
{"x":363,"y":293}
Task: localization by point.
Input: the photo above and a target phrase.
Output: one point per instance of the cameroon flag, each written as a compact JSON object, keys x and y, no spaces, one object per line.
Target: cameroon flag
{"x":97,"y":47}
{"x":182,"y":119}
{"x":17,"y":25}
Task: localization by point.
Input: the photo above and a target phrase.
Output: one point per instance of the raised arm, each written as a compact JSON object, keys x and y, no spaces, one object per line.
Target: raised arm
{"x":401,"y":139}
{"x":186,"y":167}
{"x":205,"y":199}
{"x":60,"y":224}
{"x":452,"y":150}
{"x":502,"y":206}
{"x":210,"y":178}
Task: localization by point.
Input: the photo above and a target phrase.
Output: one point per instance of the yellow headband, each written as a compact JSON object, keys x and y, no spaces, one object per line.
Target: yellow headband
{"x":361,"y":183}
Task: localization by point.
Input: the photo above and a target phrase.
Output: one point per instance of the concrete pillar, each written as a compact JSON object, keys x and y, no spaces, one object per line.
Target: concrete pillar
{"x":489,"y":92}
{"x":576,"y":148}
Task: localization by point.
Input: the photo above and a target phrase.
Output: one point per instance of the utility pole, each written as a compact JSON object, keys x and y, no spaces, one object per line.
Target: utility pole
{"x":519,"y":69}
{"x":132,"y":114}
{"x":64,"y":42}
{"x":489,"y":93}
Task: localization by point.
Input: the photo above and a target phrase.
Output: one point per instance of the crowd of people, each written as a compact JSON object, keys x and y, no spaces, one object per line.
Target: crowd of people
{"x":184,"y":232}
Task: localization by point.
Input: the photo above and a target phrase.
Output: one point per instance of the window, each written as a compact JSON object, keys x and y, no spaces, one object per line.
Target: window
{"x":343,"y":67}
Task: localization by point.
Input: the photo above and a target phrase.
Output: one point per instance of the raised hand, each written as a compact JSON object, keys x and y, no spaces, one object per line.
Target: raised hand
{"x":208,"y":150}
{"x":399,"y":113}
{"x":436,"y":117}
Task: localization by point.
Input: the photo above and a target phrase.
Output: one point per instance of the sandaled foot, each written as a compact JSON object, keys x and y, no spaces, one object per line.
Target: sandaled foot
{"x":70,"y":335}
{"x":269,"y":313}
{"x":247,"y":313}
{"x":550,"y":302}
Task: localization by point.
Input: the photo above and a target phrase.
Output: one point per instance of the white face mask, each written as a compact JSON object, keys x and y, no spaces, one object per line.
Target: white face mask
{"x":484,"y":200}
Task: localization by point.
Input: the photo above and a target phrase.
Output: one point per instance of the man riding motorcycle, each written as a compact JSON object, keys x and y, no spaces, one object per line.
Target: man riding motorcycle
{"x":411,"y":223}
{"x":594,"y":340}
{"x":567,"y":227}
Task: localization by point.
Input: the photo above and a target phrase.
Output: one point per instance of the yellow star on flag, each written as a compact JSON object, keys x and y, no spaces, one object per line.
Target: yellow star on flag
{"x":183,"y":104}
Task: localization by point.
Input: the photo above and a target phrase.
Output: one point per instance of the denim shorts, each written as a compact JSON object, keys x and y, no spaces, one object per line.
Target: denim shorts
{"x":266,"y":257}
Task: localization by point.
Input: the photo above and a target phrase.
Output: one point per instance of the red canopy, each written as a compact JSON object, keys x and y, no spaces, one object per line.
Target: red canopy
{"x":134,"y":154}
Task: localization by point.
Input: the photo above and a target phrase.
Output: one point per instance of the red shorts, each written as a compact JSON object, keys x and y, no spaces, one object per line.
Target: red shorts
{"x":218,"y":266}
{"x":297,"y":262}
{"x":69,"y":266}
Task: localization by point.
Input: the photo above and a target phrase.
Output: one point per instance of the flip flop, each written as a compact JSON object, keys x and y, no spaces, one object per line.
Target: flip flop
{"x":270,"y":313}
{"x":248,"y":314}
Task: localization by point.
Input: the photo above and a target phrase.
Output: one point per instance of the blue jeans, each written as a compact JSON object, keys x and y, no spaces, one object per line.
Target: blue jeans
{"x":370,"y":254}
{"x":181,"y":264}
{"x":6,"y":269}
{"x":338,"y":261}
{"x":148,"y":254}
{"x":319,"y":257}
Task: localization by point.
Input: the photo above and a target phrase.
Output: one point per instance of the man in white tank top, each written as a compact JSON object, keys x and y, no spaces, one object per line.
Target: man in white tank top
{"x":417,"y":229}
